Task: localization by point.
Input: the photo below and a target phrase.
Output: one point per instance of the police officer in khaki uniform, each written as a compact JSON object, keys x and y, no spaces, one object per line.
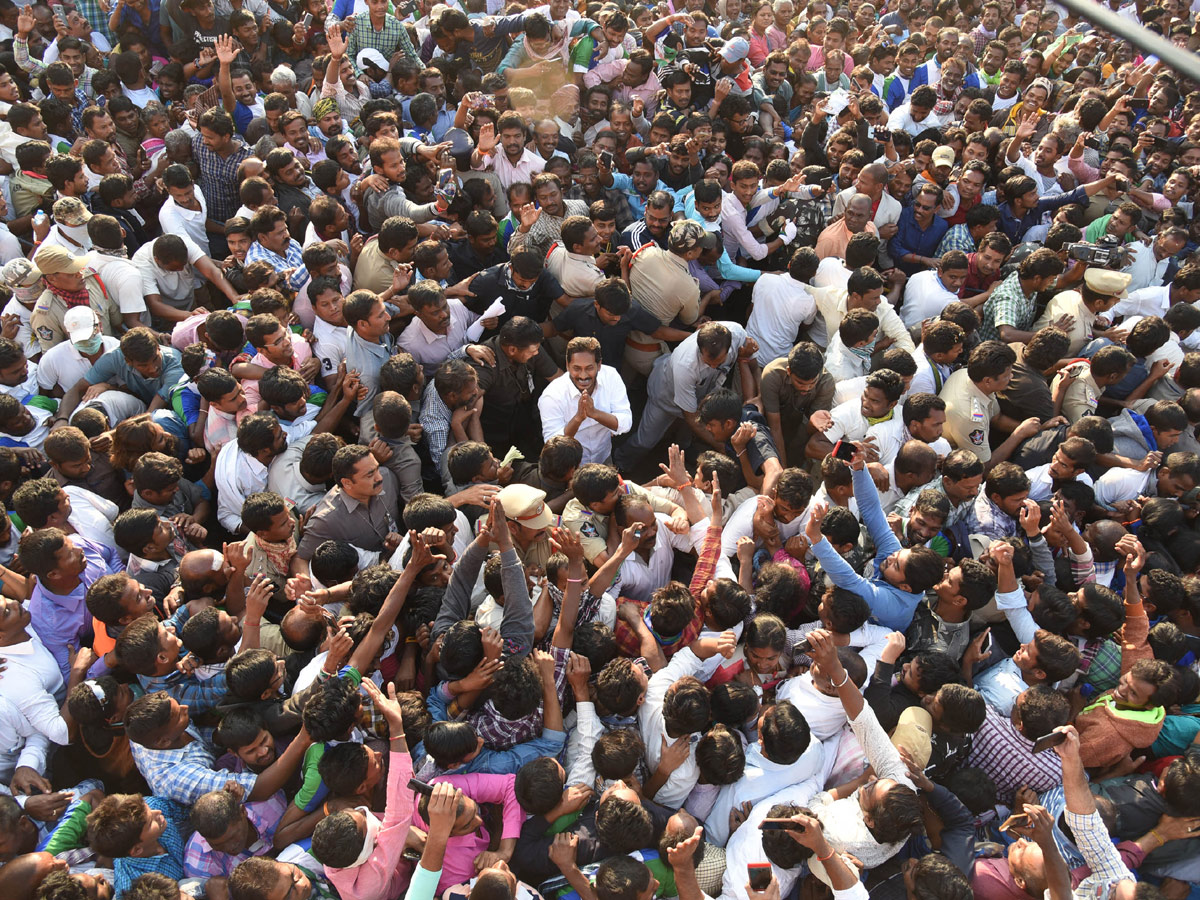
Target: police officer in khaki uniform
{"x":662,"y":284}
{"x":69,"y":282}
{"x":529,"y":521}
{"x":1102,"y":290}
{"x":1085,"y":380}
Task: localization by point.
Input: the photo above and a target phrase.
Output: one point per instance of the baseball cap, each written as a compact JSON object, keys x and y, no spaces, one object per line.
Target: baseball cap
{"x":70,"y":211}
{"x":1108,"y":282}
{"x":80,"y":323}
{"x":735,"y":50}
{"x":914,"y":733}
{"x":372,"y":56}
{"x":54,"y":259}
{"x":685,"y":235}
{"x":526,"y":505}
{"x":943,"y":156}
{"x":19,"y":272}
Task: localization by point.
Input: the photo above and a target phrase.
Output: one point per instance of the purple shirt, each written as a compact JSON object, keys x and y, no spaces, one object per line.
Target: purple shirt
{"x":61,"y":619}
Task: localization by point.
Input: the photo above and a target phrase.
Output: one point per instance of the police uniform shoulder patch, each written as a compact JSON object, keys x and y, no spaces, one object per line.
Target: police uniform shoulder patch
{"x":976,"y":437}
{"x":588,"y":529}
{"x":45,"y":332}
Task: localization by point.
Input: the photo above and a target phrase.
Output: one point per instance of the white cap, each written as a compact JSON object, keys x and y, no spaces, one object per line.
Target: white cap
{"x":80,"y":323}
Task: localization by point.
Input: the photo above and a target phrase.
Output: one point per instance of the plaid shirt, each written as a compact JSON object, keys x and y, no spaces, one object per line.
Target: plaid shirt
{"x":36,"y":67}
{"x":957,"y":238}
{"x":128,"y":868}
{"x":186,"y":773}
{"x":218,"y":178}
{"x":500,"y":733}
{"x":980,"y":38}
{"x":96,"y":16}
{"x":1008,"y":305}
{"x":201,"y":861}
{"x":1007,"y":755}
{"x":1101,"y":664}
{"x":435,"y":421}
{"x":392,"y":37}
{"x":198,"y":696}
{"x":706,"y":567}
{"x":293,"y":260}
{"x":1096,"y":846}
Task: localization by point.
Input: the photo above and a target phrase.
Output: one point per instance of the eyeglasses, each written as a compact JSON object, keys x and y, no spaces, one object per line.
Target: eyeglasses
{"x":924,"y":208}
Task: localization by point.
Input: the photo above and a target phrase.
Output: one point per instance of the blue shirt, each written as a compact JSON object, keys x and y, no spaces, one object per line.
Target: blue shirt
{"x":495,"y":762}
{"x":912,"y":239}
{"x":113,"y":369}
{"x":637,"y":203}
{"x":890,"y":606}
{"x":1015,"y":228}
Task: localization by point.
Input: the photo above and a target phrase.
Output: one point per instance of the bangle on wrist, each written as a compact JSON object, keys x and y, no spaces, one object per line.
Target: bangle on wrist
{"x":830,"y":856}
{"x":842,"y":683}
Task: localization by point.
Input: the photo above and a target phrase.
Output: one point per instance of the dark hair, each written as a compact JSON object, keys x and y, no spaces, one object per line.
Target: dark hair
{"x":785,"y":734}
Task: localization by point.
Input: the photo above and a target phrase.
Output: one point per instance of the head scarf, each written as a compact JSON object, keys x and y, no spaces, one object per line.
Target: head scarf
{"x":324,"y":106}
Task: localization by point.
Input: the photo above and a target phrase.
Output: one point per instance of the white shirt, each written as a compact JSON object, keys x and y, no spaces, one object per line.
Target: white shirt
{"x":1145,"y":269}
{"x":745,"y":845}
{"x":25,"y":338}
{"x":653,"y":727}
{"x":825,"y":715}
{"x":760,"y":779}
{"x":901,"y":120}
{"x":1041,"y":486}
{"x":430,"y":349}
{"x":185,"y":222}
{"x":924,"y":298}
{"x":849,"y":423}
{"x":1146,"y":301}
{"x":123,"y":280}
{"x":92,"y":515}
{"x":284,"y":477}
{"x":842,"y":364}
{"x":741,"y":524}
{"x":923,"y":382}
{"x":735,"y":229}
{"x":169,"y":285}
{"x":238,"y":475}
{"x":560,"y":401}
{"x":781,"y":305}
{"x":1116,"y":485}
{"x":63,"y":365}
{"x":640,"y":578}
{"x":37,"y":434}
{"x":330,"y":345}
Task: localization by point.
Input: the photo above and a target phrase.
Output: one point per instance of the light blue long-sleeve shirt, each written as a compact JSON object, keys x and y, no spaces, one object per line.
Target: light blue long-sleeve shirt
{"x":891,"y":606}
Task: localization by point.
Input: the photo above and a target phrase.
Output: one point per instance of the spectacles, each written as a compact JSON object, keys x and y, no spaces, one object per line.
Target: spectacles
{"x":924,"y":208}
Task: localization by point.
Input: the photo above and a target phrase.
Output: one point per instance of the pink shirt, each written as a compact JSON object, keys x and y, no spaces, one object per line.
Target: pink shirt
{"x":300,"y":352}
{"x":184,"y":333}
{"x":384,"y":876}
{"x":459,"y":865}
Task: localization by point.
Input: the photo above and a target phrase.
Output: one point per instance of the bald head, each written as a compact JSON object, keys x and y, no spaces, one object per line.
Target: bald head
{"x":858,"y":213}
{"x":203,"y":574}
{"x":873,"y":179}
{"x":19,"y":879}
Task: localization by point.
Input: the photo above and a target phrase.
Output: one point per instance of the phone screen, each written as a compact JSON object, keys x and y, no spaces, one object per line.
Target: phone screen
{"x":760,"y":876}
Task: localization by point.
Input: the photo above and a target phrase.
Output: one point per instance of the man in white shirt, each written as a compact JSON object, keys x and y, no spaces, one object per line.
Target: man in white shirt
{"x":917,"y":114}
{"x":33,"y":685}
{"x":122,"y":279}
{"x":511,"y":161}
{"x":439,"y":325}
{"x":769,"y":768}
{"x":781,"y":304}
{"x":654,"y":726}
{"x":172,"y":267}
{"x":241,"y":466}
{"x":184,"y":212}
{"x":941,"y":346}
{"x":1150,"y":264}
{"x":590,"y":404}
{"x":927,"y":293}
{"x":286,"y":474}
{"x":873,"y":417}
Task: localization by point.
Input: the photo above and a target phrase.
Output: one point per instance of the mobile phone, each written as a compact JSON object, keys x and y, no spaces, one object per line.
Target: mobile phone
{"x":827,"y":184}
{"x":606,"y":157}
{"x":843,"y":450}
{"x":804,"y":646}
{"x":780,"y":825}
{"x":1138,"y":103}
{"x":760,"y":876}
{"x":445,"y":179}
{"x":883,"y":135}
{"x":1046,"y":741}
{"x":420,"y":787}
{"x":985,"y":646}
{"x":1093,"y":143}
{"x":637,"y":531}
{"x":307,"y":20}
{"x":59,"y":10}
{"x":1015,"y":819}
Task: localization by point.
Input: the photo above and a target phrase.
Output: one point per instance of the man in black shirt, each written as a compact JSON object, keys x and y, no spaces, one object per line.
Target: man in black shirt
{"x":746,"y":437}
{"x":609,"y":319}
{"x":481,"y":248}
{"x":524,"y":285}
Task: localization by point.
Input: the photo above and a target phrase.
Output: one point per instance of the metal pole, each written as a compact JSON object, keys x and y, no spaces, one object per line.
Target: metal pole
{"x":1147,"y":41}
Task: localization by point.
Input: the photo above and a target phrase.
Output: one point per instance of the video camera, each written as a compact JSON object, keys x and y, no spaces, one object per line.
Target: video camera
{"x":1104,"y":254}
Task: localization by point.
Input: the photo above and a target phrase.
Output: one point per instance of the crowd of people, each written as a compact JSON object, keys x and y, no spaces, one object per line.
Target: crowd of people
{"x":598,"y":451}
